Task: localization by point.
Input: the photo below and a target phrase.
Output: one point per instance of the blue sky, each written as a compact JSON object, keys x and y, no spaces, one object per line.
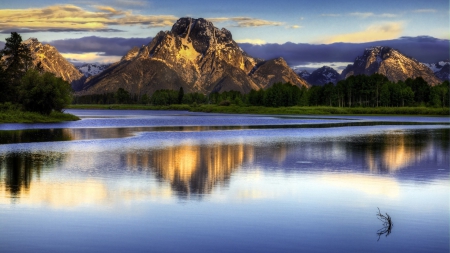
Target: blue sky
{"x":250,"y":21}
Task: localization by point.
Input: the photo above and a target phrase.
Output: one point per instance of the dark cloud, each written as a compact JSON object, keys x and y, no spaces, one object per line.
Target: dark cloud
{"x":2,"y":45}
{"x":109,"y":46}
{"x":423,"y":48}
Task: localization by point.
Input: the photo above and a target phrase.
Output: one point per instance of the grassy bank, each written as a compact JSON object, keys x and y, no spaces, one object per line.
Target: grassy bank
{"x":294,"y":110}
{"x":18,"y":116}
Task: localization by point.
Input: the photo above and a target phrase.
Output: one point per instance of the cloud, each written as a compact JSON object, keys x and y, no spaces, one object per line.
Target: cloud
{"x":422,"y":48}
{"x":296,"y":27}
{"x":374,"y":32}
{"x":90,"y":57}
{"x":370,"y":14}
{"x":93,"y":44}
{"x":330,"y":15}
{"x":64,"y":18}
{"x":128,"y":3}
{"x":245,"y":21}
{"x":252,"y":41}
{"x":425,"y":11}
{"x":363,"y":15}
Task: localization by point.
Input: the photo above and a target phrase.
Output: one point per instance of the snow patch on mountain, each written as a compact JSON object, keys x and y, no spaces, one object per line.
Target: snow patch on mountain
{"x":440,"y":69}
{"x":320,"y":76}
{"x":89,"y":69}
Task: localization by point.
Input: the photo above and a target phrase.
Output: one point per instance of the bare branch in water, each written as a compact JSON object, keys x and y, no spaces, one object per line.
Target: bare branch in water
{"x":387,"y":224}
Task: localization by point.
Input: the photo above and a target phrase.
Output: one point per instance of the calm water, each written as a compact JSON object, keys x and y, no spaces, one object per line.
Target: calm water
{"x":144,"y":181}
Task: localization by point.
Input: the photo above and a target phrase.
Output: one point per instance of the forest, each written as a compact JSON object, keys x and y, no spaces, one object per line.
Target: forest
{"x":356,"y":91}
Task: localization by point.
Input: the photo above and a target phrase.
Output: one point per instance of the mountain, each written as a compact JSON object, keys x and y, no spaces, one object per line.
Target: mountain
{"x":391,"y":63}
{"x":322,"y":76}
{"x":89,"y":69}
{"x":303,"y":73}
{"x":52,"y":61}
{"x":194,"y":55}
{"x":441,"y":69}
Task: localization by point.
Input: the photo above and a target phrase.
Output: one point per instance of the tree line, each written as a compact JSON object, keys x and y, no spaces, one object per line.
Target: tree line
{"x":27,"y":86}
{"x":356,"y":91}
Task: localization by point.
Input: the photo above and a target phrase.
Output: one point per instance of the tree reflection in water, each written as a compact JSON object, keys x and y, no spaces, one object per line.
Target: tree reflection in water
{"x":17,"y":170}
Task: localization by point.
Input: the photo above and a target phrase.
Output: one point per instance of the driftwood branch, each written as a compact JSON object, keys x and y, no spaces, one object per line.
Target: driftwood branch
{"x":387,"y":224}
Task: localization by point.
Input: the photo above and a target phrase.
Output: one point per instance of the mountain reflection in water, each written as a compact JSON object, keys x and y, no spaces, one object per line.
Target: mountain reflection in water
{"x":193,"y":171}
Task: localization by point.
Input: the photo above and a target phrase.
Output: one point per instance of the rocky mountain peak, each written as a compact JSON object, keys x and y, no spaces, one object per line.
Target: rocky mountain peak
{"x":30,"y":41}
{"x":194,"y":55}
{"x":131,"y":54}
{"x":201,"y":33}
{"x":391,"y":63}
{"x":52,"y":61}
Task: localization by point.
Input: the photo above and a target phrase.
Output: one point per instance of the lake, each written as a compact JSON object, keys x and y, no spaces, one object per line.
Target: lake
{"x":168,"y":181}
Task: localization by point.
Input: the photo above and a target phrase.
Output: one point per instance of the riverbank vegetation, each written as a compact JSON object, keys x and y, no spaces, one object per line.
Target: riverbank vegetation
{"x":11,"y":114}
{"x":27,"y":93}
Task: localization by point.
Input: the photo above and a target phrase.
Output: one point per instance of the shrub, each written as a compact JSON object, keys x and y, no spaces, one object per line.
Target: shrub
{"x":44,"y":92}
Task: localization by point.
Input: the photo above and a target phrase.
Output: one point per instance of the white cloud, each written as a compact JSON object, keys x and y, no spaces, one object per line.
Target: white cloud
{"x":73,"y":18}
{"x":330,"y":15}
{"x":361,"y":15}
{"x":91,"y":58}
{"x":245,"y":21}
{"x":373,"y":32}
{"x":252,"y":41}
{"x":371,"y":14}
{"x":425,"y":10}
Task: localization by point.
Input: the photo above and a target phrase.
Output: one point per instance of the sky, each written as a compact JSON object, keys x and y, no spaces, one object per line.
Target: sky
{"x":101,"y":30}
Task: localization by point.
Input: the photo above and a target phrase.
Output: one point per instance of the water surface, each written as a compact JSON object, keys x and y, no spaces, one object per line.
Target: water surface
{"x":142,"y":181}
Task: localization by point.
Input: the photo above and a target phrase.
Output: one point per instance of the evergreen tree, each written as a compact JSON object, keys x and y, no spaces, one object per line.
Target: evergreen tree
{"x":16,"y":60}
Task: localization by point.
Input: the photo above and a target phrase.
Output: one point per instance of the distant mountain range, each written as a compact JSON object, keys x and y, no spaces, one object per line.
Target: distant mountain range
{"x":201,"y":58}
{"x":384,"y":60}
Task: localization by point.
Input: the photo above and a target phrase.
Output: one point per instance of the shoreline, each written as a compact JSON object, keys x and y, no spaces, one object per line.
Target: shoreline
{"x":294,"y":110}
{"x":18,"y":116}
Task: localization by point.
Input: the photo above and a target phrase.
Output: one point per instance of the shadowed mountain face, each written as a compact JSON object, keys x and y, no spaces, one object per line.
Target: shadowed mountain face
{"x":194,"y":55}
{"x":52,"y":61}
{"x":391,"y":63}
